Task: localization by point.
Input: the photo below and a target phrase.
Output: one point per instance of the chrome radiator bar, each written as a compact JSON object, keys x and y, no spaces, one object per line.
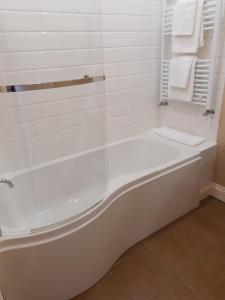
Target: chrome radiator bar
{"x":50,"y":85}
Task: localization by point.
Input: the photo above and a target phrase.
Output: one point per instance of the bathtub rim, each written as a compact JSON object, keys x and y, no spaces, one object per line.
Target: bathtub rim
{"x":146,"y":135}
{"x":89,"y":214}
{"x":58,"y":232}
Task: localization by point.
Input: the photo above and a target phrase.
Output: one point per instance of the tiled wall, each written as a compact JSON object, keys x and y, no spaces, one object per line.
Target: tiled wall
{"x":47,"y":40}
{"x":132,"y":33}
{"x":189,"y":117}
{"x":58,"y":40}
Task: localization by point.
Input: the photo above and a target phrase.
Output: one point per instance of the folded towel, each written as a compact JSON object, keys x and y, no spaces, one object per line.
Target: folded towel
{"x":184,"y":87}
{"x":179,"y":136}
{"x":180,"y":71}
{"x":190,"y":43}
{"x":184,"y":17}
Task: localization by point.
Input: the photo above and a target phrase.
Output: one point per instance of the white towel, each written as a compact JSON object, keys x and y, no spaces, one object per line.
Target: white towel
{"x":184,"y":17}
{"x":179,"y":136}
{"x":184,"y":87}
{"x":190,"y":43}
{"x":180,"y":70}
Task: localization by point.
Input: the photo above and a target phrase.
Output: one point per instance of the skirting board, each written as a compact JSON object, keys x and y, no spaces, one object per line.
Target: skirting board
{"x":205,"y":192}
{"x":218,"y":192}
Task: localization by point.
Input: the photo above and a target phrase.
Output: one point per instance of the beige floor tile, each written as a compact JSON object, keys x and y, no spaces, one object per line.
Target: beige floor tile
{"x":214,"y":210}
{"x":105,"y":289}
{"x":176,"y":292}
{"x":141,"y":275}
{"x":207,"y":233}
{"x":206,"y":278}
{"x":174,"y":249}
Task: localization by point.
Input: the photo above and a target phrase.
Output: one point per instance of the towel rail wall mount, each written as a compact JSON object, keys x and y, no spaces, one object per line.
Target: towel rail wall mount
{"x":205,"y":70}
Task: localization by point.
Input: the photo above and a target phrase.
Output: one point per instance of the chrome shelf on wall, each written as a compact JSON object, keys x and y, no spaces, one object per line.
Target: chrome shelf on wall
{"x":51,"y":85}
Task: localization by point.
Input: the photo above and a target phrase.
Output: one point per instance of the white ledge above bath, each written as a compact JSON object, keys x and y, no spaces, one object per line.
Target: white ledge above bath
{"x":179,"y":136}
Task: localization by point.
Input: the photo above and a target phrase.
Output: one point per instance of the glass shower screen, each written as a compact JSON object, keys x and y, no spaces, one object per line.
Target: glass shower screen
{"x":52,"y":106}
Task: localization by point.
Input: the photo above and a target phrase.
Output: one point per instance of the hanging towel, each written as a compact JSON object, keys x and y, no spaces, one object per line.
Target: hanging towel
{"x":181,"y":78}
{"x":184,"y":17}
{"x":188,"y":43}
{"x":180,"y":70}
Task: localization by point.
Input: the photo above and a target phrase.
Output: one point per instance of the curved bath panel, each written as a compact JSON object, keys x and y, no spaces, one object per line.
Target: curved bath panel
{"x":63,"y":261}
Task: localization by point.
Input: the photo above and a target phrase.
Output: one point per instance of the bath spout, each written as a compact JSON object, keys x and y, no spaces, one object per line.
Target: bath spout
{"x":7,"y":182}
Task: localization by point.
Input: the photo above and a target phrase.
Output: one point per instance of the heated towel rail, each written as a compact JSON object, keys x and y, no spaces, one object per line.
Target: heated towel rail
{"x":202,"y":75}
{"x":205,"y":68}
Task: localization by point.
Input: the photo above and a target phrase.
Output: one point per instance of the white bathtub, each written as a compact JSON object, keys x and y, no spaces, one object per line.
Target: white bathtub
{"x":63,"y":233}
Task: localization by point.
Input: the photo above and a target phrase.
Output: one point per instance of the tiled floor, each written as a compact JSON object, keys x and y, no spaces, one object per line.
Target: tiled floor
{"x":184,"y":261}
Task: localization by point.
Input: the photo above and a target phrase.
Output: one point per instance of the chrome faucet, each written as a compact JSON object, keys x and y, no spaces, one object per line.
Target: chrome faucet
{"x":7,"y":182}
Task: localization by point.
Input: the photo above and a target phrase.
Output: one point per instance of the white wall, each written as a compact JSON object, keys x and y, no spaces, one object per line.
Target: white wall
{"x":46,"y":40}
{"x":132,"y":33}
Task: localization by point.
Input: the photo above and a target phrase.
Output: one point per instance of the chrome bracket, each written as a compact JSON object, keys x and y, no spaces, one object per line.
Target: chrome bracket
{"x":163,"y":103}
{"x":209,"y":112}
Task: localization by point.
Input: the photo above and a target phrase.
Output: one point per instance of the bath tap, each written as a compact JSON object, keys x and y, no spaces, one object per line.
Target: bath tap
{"x":7,"y":182}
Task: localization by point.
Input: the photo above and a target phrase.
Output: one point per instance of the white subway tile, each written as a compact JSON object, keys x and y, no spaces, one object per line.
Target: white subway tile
{"x":22,"y":21}
{"x":16,"y":41}
{"x":13,"y":149}
{"x":132,"y":68}
{"x":126,"y":39}
{"x":70,"y":6}
{"x":20,"y":77}
{"x":30,"y":60}
{"x":36,"y":40}
{"x":131,"y":7}
{"x":131,"y":54}
{"x":43,"y":126}
{"x":12,"y":133}
{"x":71,"y":22}
{"x":3,"y":44}
{"x":116,"y":23}
{"x":130,"y":82}
{"x":6,"y":62}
